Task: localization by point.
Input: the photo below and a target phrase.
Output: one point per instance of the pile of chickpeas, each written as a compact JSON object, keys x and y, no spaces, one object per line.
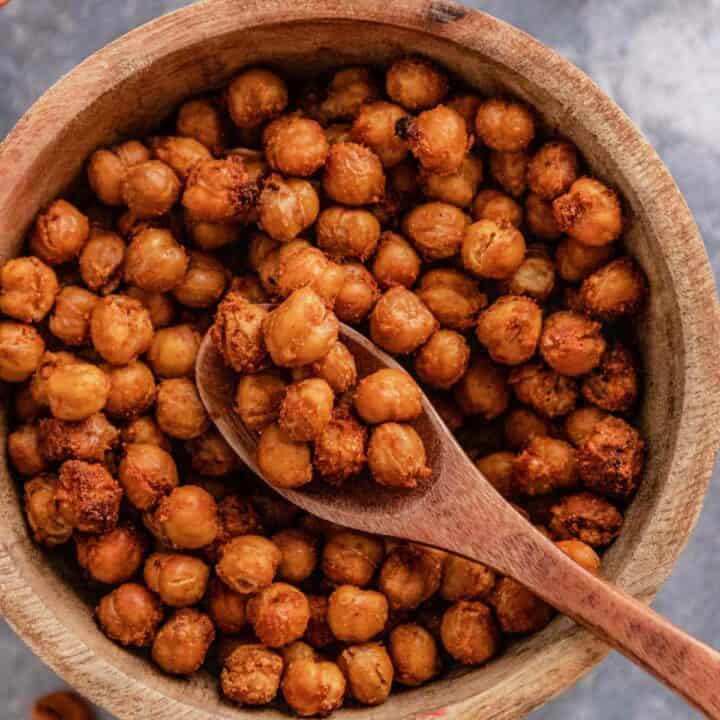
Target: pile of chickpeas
{"x":458,"y":234}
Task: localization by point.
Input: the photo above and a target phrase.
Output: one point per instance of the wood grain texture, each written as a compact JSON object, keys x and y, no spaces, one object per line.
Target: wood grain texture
{"x":135,"y":81}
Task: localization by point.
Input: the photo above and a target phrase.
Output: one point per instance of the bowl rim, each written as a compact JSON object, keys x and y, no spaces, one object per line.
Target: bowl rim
{"x":698,"y":434}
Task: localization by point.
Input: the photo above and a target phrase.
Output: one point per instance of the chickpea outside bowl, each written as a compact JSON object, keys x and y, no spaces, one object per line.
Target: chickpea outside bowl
{"x":179,"y":58}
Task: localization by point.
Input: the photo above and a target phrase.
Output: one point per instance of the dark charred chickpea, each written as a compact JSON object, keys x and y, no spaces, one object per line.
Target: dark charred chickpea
{"x":544,"y":466}
{"x":356,"y":615}
{"x":575,"y":261}
{"x":150,"y":189}
{"x":469,"y":632}
{"x":452,"y":296}
{"x":59,"y":233}
{"x":251,"y":675}
{"x":306,"y":409}
{"x":203,"y":283}
{"x":358,"y":294}
{"x":48,"y":525}
{"x":540,"y":218}
{"x":498,"y":207}
{"x":415,"y":83}
{"x":256,"y":96}
{"x":339,"y":450}
{"x":369,"y":672}
{"x":518,"y":611}
{"x":160,"y":306}
{"x":410,"y":575}
{"x":483,"y":389}
{"x":226,"y":607}
{"x":582,"y":554}
{"x":313,"y":687}
{"x":347,"y":233}
{"x":179,"y":580}
{"x":535,"y":276}
{"x":178,"y":409}
{"x":509,"y":169}
{"x":457,"y":188}
{"x":257,"y":399}
{"x":586,"y":517}
{"x":615,"y":290}
{"x":544,"y":390}
{"x":74,"y":392}
{"x":173,"y":351}
{"x":132,"y":390}
{"x":284,"y":462}
{"x":299,"y":554}
{"x":107,"y":166}
{"x":387,"y":394}
{"x":181,"y":644}
{"x":130,"y":615}
{"x":186,"y":518}
{"x":510,"y":329}
{"x":236,"y":333}
{"x":286,"y":207}
{"x":27,"y":289}
{"x":580,"y":424}
{"x":571,"y":343}
{"x":400,"y":322}
{"x":25,"y":450}
{"x":498,"y":471}
{"x":505,"y":125}
{"x":613,"y":385}
{"x":374,"y":126}
{"x":491,"y":250}
{"x":70,"y":320}
{"x":120,"y":329}
{"x":112,"y":557}
{"x":553,"y":169}
{"x":353,"y":175}
{"x":279,"y":614}
{"x":101,"y":261}
{"x":147,"y":473}
{"x":62,"y":705}
{"x":154,"y":261}
{"x":295,"y":145}
{"x":337,"y":368}
{"x":219,"y":191}
{"x":414,"y":654}
{"x":395,"y":262}
{"x":521,"y":424}
{"x":443,"y":359}
{"x":351,"y":558}
{"x":181,"y":154}
{"x":202,"y":120}
{"x":436,"y":229}
{"x":248,"y":563}
{"x":463,"y":579}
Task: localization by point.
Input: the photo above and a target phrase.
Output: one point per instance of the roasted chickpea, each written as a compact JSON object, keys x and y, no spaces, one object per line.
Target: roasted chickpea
{"x":160,"y":306}
{"x":458,"y":187}
{"x":27,"y":289}
{"x":226,"y":607}
{"x":580,"y":424}
{"x":25,"y":407}
{"x":147,"y":473}
{"x":387,"y":394}
{"x":120,"y":328}
{"x":355,"y":615}
{"x":130,"y":615}
{"x":582,"y":554}
{"x":349,"y":89}
{"x":299,"y":554}
{"x":369,"y":672}
{"x":443,"y":359}
{"x":347,"y":233}
{"x":284,"y":462}
{"x":178,"y":409}
{"x":615,"y":290}
{"x":510,"y":329}
{"x":492,"y":250}
{"x":498,"y":207}
{"x":258,"y":398}
{"x":202,"y":120}
{"x":25,"y":450}
{"x":146,"y":431}
{"x":150,"y":189}
{"x":467,"y":104}
{"x":339,"y":132}
{"x":535,"y":276}
{"x":107,"y":166}
{"x":74,"y":392}
{"x":415,"y":83}
{"x":337,"y":367}
{"x":173,"y":351}
{"x":498,"y":471}
{"x":236,"y":333}
{"x":519,"y":611}
{"x":203,"y":283}
{"x":248,"y":563}
{"x":251,"y":675}
{"x":540,"y":218}
{"x":186,"y":518}
{"x":208,"y":236}
{"x":553,"y":169}
{"x":313,"y":687}
{"x":544,"y":466}
{"x":509,"y":169}
{"x":353,"y":175}
{"x":576,"y":261}
{"x":62,"y":705}
{"x":181,"y":154}
{"x":70,"y":321}
{"x":589,"y":212}
{"x":59,"y":233}
{"x":255,"y":96}
{"x":295,"y":145}
{"x":286,"y":207}
{"x":249,"y":287}
{"x":49,"y":362}
{"x":318,"y":633}
{"x":395,"y":262}
{"x":132,"y":390}
{"x":409,"y":576}
{"x":154,"y":261}
{"x":544,"y":390}
{"x":571,"y":343}
{"x":374,"y":127}
{"x":47,"y":523}
{"x":236,"y":516}
{"x":101,"y":260}
{"x":469,"y":632}
{"x":88,"y":497}
{"x":278,"y":614}
{"x":351,"y":558}
{"x":339,"y":450}
{"x":436,"y":229}
{"x":613,"y":385}
{"x":463,"y":579}
{"x":414,"y":654}
{"x":211,"y":456}
{"x":586,"y":517}
{"x":112,"y":557}
{"x":306,"y":409}
{"x":521,"y":424}
{"x":483,"y":389}
{"x":358,"y":295}
{"x":452,"y":296}
{"x":179,"y":580}
{"x":505,"y":125}
{"x":401,"y":322}
{"x":181,"y":644}
{"x":219,"y":191}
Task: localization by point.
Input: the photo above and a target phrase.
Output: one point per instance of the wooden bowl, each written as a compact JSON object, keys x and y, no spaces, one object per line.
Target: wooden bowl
{"x":133,"y":83}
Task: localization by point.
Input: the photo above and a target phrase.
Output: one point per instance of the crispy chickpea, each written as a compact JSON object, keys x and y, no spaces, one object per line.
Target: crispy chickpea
{"x":47,"y":523}
{"x":414,"y":654}
{"x":130,"y":615}
{"x":25,"y":450}
{"x":181,"y":644}
{"x":74,"y":392}
{"x":112,"y":557}
{"x":576,"y":261}
{"x":458,"y":187}
{"x":436,"y":229}
{"x":463,"y":579}
{"x":401,"y":322}
{"x":248,"y":563}
{"x":387,"y":394}
{"x":173,"y":351}
{"x":313,"y":687}
{"x":452,"y":296}
{"x":369,"y":672}
{"x":49,"y":362}
{"x":59,"y":233}
{"x":284,"y":462}
{"x":395,"y":262}
{"x":351,"y":558}
{"x":353,"y":175}
{"x":498,"y":207}
{"x":535,"y":277}
{"x":483,"y":389}
{"x":178,"y":409}
{"x":615,"y":290}
{"x":544,"y":390}
{"x":286,"y":207}
{"x":256,"y":96}
{"x":519,"y":611}
{"x":521,"y":424}
{"x":301,"y":330}
{"x":186,"y":518}
{"x":355,"y":615}
{"x":492,"y":250}
{"x":510,"y":329}
{"x":337,"y":367}
{"x":349,"y":89}
{"x":318,"y":633}
{"x":179,"y":580}
{"x":144,"y":430}
{"x":249,"y":287}
{"x":27,"y":289}
{"x":202,"y":120}
{"x":295,"y":145}
{"x":107,"y":166}
{"x":498,"y":471}
{"x":154,"y":261}
{"x":306,"y":409}
{"x":211,"y":456}
{"x":159,"y":306}
{"x":509,"y":169}
{"x":589,"y":212}
{"x":374,"y":126}
{"x":209,"y":236}
{"x":147,"y":473}
{"x":540,"y":218}
{"x":612,"y":385}
{"x":582,"y":554}
{"x":88,"y":497}
{"x":415,"y":83}
{"x":181,"y":154}
{"x":101,"y":260}
{"x":150,"y":189}
{"x":299,"y":554}
{"x":120,"y":329}
{"x":505,"y":125}
{"x":257,"y":399}
{"x":469,"y":632}
{"x":586,"y":517}
{"x":132,"y":390}
{"x":203,"y":283}
{"x":61,"y":705}
{"x":580,"y":424}
{"x":339,"y":450}
{"x":279,"y":614}
{"x":467,"y":105}
{"x":544,"y":466}
{"x":443,"y":359}
{"x":219,"y":191}
{"x":409,"y":576}
{"x":251,"y":675}
{"x":347,"y":233}
{"x":226,"y":607}
{"x":358,"y":294}
{"x":70,"y":321}
{"x":236,"y":333}
{"x":338,"y":132}
{"x":571,"y":343}
{"x":553,"y":169}
{"x":236,"y":516}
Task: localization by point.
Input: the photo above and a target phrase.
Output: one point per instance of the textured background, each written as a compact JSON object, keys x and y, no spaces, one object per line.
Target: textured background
{"x":659,"y":59}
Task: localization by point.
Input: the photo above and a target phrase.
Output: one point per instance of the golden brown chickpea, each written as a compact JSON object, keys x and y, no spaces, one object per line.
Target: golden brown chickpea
{"x":74,"y":392}
{"x":112,"y":557}
{"x":613,"y":385}
{"x":47,"y":523}
{"x":582,"y":554}
{"x":498,"y":207}
{"x":586,"y":517}
{"x":509,"y":169}
{"x":88,"y":497}
{"x":347,"y":233}
{"x":401,"y":322}
{"x":179,"y":580}
{"x":173,"y":351}
{"x":70,"y":321}
{"x":615,"y":290}
{"x":369,"y":672}
{"x":589,"y":212}
{"x":436,"y":229}
{"x":313,"y":687}
{"x":463,"y":579}
{"x":107,"y":166}
{"x":88,"y":439}
{"x":387,"y":394}
{"x":355,"y":615}
{"x":236,"y":516}
{"x":349,"y":89}
{"x":278,"y":614}
{"x":452,"y":296}
{"x":518,"y":611}
{"x":535,"y":276}
{"x":248,"y":563}
{"x":358,"y":295}
{"x":256,"y":96}
{"x":120,"y":328}
{"x":203,"y":121}
{"x":415,"y":83}
{"x":374,"y":127}
{"x":236,"y":333}
{"x":154,"y":261}
{"x":101,"y":260}
{"x":395,"y":262}
{"x":211,"y":456}
{"x":181,"y":154}
{"x":469,"y":632}
{"x":59,"y":233}
{"x":49,"y":362}
{"x":510,"y":329}
{"x":505,"y":125}
{"x":458,"y":187}
{"x":540,"y":218}
{"x":409,"y":576}
{"x":61,"y":705}
{"x":178,"y":409}
{"x":27,"y":289}
{"x":492,"y":250}
{"x":339,"y":450}
{"x":284,"y":462}
{"x":25,"y":450}
{"x":258,"y":398}
{"x":443,"y":360}
{"x":498,"y":471}
{"x":306,"y":409}
{"x":130,"y":615}
{"x":204,"y":281}
{"x":337,"y":367}
{"x":414,"y":654}
{"x":351,"y":558}
{"x":553,"y":169}
{"x":544,"y":466}
{"x":144,"y":430}
{"x":209,"y":236}
{"x":353,"y":175}
{"x":295,"y":145}
{"x":249,"y":287}
{"x":483,"y":389}
{"x":147,"y":473}
{"x":181,"y":644}
{"x":544,"y":390}
{"x":299,"y":554}
{"x":338,"y":132}
{"x":318,"y":633}
{"x":251,"y":675}
{"x":580,"y":424}
{"x":576,"y":261}
{"x":521,"y":424}
{"x":571,"y":343}
{"x":150,"y":189}
{"x":286,"y":207}
{"x":132,"y":390}
{"x":186,"y":518}
{"x":226,"y":607}
{"x":160,"y":306}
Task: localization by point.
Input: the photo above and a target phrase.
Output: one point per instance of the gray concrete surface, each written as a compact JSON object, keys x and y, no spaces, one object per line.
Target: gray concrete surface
{"x":660,"y":59}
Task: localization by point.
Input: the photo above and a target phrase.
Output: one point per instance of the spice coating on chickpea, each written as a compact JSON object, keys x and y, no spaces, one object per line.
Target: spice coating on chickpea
{"x":469,"y":632}
{"x":543,"y":389}
{"x":257,"y":399}
{"x":203,"y":283}
{"x":353,"y":175}
{"x":498,"y":471}
{"x":130,"y":615}
{"x":27,"y":289}
{"x":613,"y":384}
{"x":279,"y":614}
{"x":415,"y":83}
{"x":306,"y":409}
{"x":396,"y":456}
{"x":374,"y":126}
{"x":339,"y":450}
{"x":286,"y":207}
{"x":510,"y":329}
{"x":553,"y":169}
{"x":48,"y":524}
{"x":59,"y":233}
{"x":356,"y":615}
{"x":492,"y":250}
{"x":74,"y":392}
{"x":251,"y":675}
{"x":178,"y":409}
{"x":387,"y":394}
{"x":458,"y":187}
{"x":70,"y":320}
{"x":414,"y":654}
{"x":237,"y":334}
{"x":358,"y":295}
{"x":545,"y":465}
{"x":284,"y":462}
{"x":452,"y":296}
{"x":369,"y":672}
{"x":132,"y":390}
{"x":295,"y":145}
{"x":615,"y":290}
{"x":181,"y":644}
{"x":443,"y":359}
{"x":580,"y":424}
{"x":409,"y":576}
{"x":337,"y":367}
{"x":349,"y":89}
{"x":351,"y":558}
{"x":180,"y":153}
{"x":436,"y":229}
{"x":400,"y":322}
{"x":173,"y":351}
{"x":255,"y":96}
{"x":518,"y":611}
{"x":509,"y":170}
{"x":571,"y":343}
{"x":112,"y":557}
{"x":395,"y":262}
{"x":505,"y":125}
{"x":463,"y":579}
{"x":49,"y":362}
{"x":483,"y":389}
{"x":186,"y":518}
{"x":498,"y":207}
{"x":248,"y":563}
{"x":347,"y":233}
{"x":586,"y":517}
{"x":120,"y":329}
{"x":147,"y":473}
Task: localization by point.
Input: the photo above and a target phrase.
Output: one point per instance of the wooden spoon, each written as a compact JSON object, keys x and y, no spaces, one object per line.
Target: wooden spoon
{"x":458,"y":510}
